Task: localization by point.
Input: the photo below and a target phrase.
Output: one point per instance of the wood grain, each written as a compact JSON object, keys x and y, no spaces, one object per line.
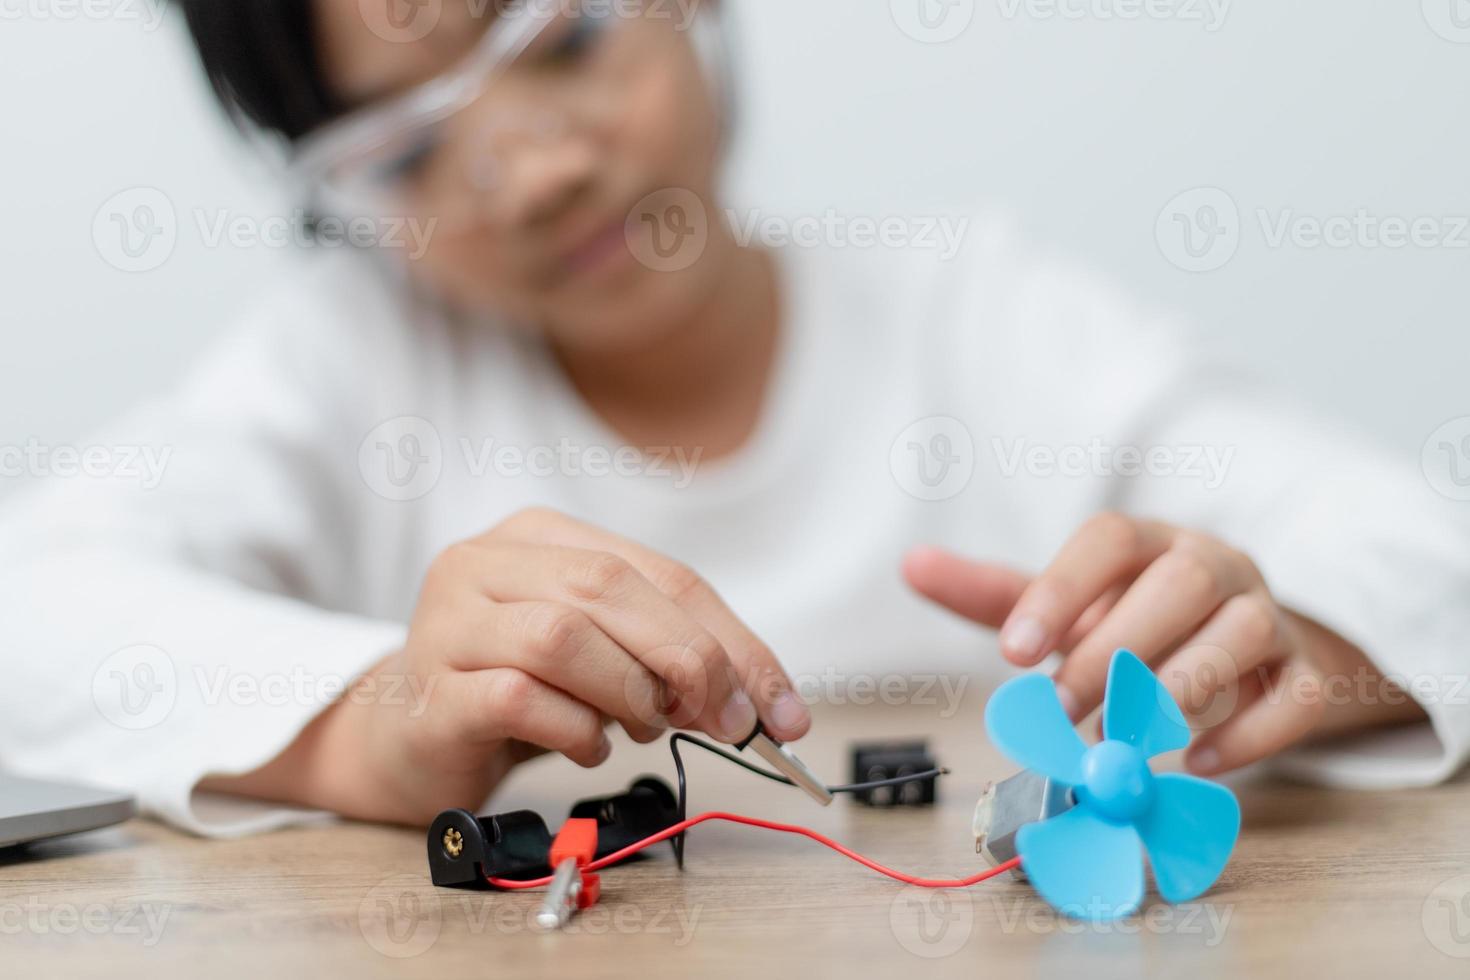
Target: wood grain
{"x":1324,"y":883}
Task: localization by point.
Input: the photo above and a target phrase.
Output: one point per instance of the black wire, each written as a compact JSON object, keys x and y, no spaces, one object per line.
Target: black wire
{"x":678,"y":737}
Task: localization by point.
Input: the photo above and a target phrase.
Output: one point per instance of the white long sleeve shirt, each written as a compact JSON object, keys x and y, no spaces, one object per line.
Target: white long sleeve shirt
{"x":190,"y":613}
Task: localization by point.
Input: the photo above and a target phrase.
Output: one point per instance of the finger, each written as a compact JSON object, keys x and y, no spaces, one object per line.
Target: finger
{"x":1248,"y":688}
{"x":1109,"y":548}
{"x":986,"y":592}
{"x":688,"y":659}
{"x":563,"y":647}
{"x":756,"y":668}
{"x":1287,"y":710}
{"x":1090,"y":619}
{"x":759,"y":671}
{"x":980,"y":591}
{"x":506,"y":703}
{"x":1168,"y":602}
{"x":1204,"y":675}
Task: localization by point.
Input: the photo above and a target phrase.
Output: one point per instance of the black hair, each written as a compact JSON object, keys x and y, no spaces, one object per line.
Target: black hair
{"x":262,"y":61}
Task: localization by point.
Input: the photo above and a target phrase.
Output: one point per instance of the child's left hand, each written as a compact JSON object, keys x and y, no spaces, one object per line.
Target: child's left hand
{"x":1252,"y":676}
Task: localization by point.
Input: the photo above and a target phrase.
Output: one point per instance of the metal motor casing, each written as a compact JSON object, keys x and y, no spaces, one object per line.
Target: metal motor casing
{"x":1008,"y":806}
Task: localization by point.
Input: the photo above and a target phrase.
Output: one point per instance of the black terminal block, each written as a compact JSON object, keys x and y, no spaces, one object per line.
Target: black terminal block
{"x":464,"y":849}
{"x":648,"y":807}
{"x":875,"y":761}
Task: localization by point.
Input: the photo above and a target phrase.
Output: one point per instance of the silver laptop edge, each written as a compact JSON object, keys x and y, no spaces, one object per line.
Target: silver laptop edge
{"x":34,"y":809}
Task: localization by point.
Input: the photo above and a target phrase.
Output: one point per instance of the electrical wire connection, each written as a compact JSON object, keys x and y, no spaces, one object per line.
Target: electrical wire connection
{"x":729,"y":756}
{"x":695,"y":821}
{"x":675,"y":833}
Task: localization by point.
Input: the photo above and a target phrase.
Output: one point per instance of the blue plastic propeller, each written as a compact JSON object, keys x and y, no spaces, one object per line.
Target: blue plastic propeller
{"x":1086,"y":862}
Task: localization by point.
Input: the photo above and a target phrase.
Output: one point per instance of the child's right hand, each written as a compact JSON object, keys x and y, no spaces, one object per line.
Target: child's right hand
{"x":531,"y":638}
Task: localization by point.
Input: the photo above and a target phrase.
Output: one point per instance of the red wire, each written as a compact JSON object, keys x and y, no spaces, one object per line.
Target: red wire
{"x":679,"y":828}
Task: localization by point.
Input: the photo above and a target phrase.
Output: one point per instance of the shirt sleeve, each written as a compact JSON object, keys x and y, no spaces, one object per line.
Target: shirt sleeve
{"x":188,"y":608}
{"x":1348,"y":535}
{"x":1134,"y":413}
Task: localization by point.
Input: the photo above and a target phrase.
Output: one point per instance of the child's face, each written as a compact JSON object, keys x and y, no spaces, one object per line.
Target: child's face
{"x":532,"y":185}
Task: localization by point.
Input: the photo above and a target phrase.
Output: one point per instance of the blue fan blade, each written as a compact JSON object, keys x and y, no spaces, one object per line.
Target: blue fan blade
{"x":1139,"y":710}
{"x":1085,"y":866}
{"x":1025,"y":720}
{"x":1189,"y":832}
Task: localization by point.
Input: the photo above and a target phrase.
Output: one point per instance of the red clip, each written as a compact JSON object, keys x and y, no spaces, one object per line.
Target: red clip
{"x":577,"y":842}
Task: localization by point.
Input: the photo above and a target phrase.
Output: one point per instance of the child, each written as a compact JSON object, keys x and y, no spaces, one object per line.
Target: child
{"x":416,"y":473}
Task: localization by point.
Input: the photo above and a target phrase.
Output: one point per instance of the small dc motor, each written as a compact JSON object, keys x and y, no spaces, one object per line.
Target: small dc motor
{"x":1009,"y":805}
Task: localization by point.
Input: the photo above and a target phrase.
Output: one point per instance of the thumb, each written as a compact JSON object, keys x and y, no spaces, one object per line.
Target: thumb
{"x":982,"y":591}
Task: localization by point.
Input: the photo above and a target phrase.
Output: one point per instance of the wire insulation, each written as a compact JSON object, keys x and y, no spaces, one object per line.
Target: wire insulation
{"x":913,"y":777}
{"x":683,"y":798}
{"x":683,"y":825}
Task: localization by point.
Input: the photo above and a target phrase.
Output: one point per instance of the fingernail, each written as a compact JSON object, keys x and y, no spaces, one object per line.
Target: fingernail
{"x":1204,"y":761}
{"x":789,"y":714}
{"x":1069,"y":701}
{"x":605,"y":751}
{"x":737,"y":717}
{"x":1022,"y":639}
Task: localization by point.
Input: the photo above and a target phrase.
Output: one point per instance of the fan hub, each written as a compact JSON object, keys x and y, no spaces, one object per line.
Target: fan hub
{"x":1116,"y":781}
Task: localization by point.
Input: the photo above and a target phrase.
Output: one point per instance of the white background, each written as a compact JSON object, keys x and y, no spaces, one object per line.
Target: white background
{"x":1080,"y":122}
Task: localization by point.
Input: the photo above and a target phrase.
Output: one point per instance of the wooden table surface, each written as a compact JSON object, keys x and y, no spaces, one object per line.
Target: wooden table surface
{"x":1324,"y":883}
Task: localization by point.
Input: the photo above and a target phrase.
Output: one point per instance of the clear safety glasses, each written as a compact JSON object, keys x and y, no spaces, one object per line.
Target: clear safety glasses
{"x":538,"y":67}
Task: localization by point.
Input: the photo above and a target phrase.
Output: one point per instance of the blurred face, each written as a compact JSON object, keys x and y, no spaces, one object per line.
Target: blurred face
{"x":539,"y":186}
